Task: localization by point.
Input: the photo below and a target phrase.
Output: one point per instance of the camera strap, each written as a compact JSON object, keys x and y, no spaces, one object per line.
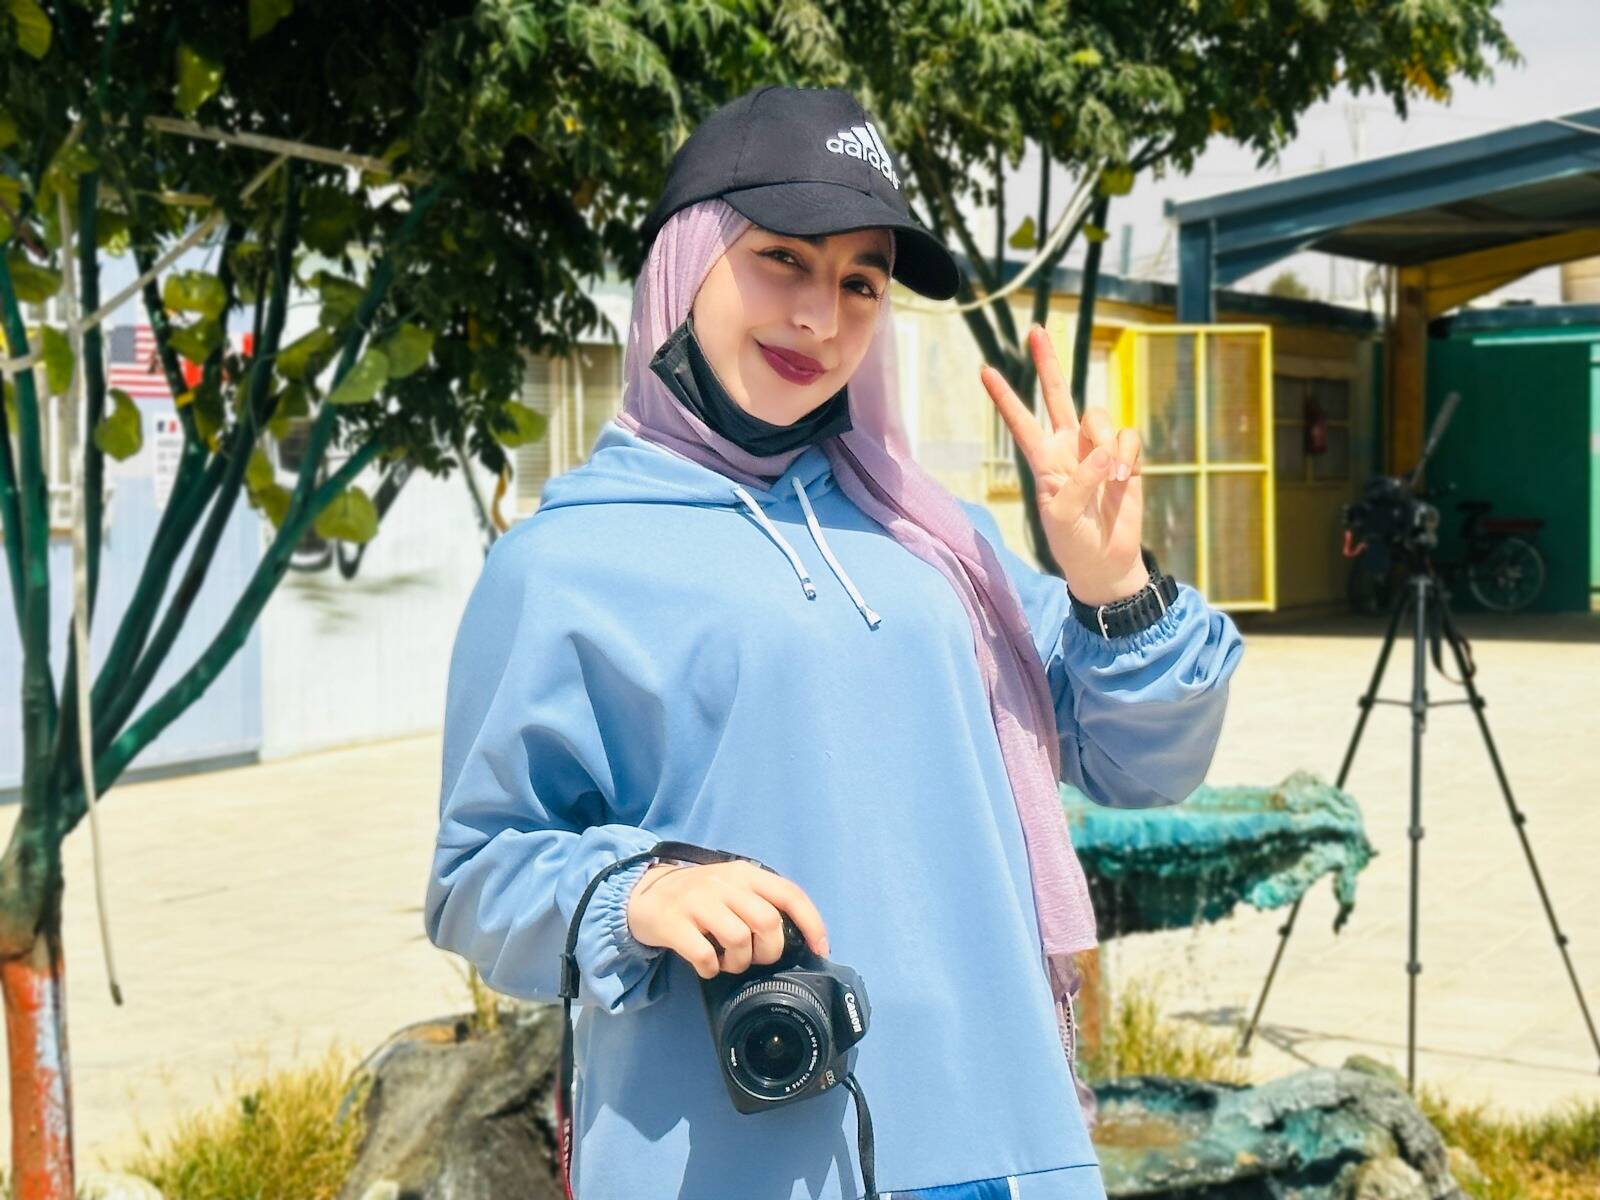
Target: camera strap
{"x":566,"y":1084}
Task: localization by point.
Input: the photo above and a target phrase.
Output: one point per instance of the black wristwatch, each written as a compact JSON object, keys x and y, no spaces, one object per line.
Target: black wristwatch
{"x":1132,"y":613}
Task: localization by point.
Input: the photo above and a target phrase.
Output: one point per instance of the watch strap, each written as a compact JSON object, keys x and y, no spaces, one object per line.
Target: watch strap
{"x":1132,"y":613}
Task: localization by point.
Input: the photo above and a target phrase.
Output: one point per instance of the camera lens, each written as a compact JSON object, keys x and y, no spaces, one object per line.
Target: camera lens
{"x":775,"y":1038}
{"x":773,"y":1049}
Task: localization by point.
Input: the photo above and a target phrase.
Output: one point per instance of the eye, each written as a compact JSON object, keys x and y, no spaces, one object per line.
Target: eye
{"x":866,"y":289}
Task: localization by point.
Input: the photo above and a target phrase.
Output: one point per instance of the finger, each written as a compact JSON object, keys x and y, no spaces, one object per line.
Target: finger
{"x":765,"y":922}
{"x":731,"y":933}
{"x":689,"y":942}
{"x":1057,"y":396}
{"x":1128,"y":446}
{"x":1095,"y":430}
{"x":789,"y":898}
{"x":1081,"y":486}
{"x":1025,"y":428}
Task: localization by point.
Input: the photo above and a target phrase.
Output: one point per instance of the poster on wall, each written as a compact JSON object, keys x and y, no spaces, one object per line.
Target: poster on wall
{"x":166,"y":446}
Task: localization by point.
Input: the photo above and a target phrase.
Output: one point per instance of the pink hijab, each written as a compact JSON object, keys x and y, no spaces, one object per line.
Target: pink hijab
{"x":872,"y":464}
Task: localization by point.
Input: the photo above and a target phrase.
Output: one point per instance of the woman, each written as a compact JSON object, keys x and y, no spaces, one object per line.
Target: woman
{"x":651,"y":657}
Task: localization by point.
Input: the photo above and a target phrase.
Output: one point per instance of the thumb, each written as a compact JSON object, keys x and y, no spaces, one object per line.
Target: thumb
{"x":1081,"y":486}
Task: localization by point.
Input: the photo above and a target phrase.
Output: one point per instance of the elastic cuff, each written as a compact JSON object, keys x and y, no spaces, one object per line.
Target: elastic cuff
{"x":610,"y":902}
{"x":1163,"y":630}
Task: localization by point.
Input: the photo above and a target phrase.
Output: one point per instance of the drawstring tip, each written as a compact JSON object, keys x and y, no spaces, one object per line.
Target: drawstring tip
{"x":810,"y":589}
{"x":873,"y":619}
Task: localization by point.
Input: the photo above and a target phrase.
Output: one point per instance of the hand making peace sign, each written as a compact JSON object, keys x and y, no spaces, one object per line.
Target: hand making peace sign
{"x":1088,"y":483}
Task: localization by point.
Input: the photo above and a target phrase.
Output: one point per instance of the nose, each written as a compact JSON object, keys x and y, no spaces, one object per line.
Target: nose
{"x":817,"y":308}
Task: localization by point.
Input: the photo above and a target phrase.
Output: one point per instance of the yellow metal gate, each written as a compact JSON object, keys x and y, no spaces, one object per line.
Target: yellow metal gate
{"x":1201,"y":398}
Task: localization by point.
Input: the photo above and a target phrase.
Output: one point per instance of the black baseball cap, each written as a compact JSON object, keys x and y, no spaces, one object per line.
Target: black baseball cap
{"x":804,"y":161}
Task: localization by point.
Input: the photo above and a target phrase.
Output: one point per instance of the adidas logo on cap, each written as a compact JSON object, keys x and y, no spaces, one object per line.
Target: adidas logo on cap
{"x":863,"y":142}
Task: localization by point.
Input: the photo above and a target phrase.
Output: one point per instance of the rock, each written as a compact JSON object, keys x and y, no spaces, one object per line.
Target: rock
{"x":1387,"y":1179}
{"x":1368,"y":1065}
{"x":1320,"y":1134}
{"x":451,"y":1116}
{"x":109,"y":1185}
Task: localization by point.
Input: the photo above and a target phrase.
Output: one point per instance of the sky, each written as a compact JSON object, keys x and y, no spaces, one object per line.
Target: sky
{"x":1560,"y":44}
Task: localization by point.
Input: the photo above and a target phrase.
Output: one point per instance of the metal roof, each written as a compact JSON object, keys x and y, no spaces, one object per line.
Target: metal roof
{"x":1514,"y":185}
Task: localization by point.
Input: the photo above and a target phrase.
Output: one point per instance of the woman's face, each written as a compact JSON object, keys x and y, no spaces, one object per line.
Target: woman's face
{"x":785,"y":320}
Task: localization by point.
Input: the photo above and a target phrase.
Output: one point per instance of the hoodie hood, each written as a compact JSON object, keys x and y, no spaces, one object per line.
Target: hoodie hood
{"x":625,"y":468}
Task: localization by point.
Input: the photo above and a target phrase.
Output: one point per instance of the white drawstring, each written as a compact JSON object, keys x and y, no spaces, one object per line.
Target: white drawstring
{"x":822,"y":544}
{"x":872,"y":618}
{"x":794,"y":559}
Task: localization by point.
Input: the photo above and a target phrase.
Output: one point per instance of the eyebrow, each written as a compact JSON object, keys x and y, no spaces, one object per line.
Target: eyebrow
{"x":867,"y":258}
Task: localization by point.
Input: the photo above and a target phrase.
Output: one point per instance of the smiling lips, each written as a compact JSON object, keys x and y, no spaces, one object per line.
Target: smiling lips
{"x":796,"y":368}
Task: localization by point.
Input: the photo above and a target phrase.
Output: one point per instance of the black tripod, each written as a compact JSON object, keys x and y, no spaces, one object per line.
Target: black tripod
{"x":1430,"y":602}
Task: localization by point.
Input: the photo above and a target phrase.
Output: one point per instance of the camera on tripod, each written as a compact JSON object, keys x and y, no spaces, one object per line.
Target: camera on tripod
{"x":1389,"y":522}
{"x":783,"y":1029}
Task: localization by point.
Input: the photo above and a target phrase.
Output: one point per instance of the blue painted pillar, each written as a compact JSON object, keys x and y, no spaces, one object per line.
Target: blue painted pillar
{"x":1196,"y":274}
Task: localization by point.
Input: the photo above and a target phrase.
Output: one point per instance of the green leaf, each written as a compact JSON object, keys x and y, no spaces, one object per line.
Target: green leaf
{"x":1093,"y":232}
{"x":198,"y":79}
{"x":1088,"y":57}
{"x":1025,"y":237}
{"x":407,"y":349}
{"x":340,"y":299}
{"x":8,"y":130}
{"x":58,"y":360}
{"x":34,"y":285}
{"x":194,"y":291}
{"x":349,"y":517}
{"x":111,"y":232}
{"x":363,"y":380}
{"x":529,"y":423}
{"x":1116,"y":181}
{"x":264,"y":14}
{"x":33,"y":27}
{"x":329,"y":218}
{"x":273,"y":500}
{"x":207,"y":414}
{"x":292,"y":403}
{"x":305,"y":357}
{"x":259,"y":472}
{"x":120,"y":433}
{"x":196,"y":342}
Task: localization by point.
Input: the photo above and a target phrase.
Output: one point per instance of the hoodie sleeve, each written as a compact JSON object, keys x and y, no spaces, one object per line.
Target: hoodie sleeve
{"x":522,"y":802}
{"x":1139,"y":715}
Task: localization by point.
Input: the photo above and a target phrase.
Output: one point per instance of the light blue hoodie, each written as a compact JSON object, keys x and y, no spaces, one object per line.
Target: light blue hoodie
{"x":640,"y":660}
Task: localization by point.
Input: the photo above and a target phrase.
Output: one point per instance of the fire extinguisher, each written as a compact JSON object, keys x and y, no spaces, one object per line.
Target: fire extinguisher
{"x":1316,"y":421}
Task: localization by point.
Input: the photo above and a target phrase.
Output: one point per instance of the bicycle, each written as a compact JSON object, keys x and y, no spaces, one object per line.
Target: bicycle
{"x":1502,"y":567}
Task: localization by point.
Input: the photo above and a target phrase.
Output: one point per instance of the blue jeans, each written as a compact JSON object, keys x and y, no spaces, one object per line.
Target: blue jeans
{"x":982,"y":1189}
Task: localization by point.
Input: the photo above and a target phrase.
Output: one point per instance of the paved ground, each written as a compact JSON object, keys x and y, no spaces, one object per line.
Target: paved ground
{"x":263,"y":912}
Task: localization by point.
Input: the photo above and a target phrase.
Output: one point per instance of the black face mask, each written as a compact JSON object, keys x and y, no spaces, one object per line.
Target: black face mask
{"x":681,"y":364}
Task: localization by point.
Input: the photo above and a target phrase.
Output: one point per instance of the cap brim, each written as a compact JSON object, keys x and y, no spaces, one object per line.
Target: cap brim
{"x":921,"y":261}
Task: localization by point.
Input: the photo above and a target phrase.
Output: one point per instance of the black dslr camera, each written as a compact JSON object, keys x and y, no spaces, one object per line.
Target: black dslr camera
{"x":1392,"y":522}
{"x":782,"y":1029}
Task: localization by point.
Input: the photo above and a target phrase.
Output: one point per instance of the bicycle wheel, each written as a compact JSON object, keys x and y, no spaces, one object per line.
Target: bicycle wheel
{"x":1509,"y":577}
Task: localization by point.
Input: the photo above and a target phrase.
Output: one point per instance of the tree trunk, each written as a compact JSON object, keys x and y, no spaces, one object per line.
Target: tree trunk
{"x":41,"y":1081}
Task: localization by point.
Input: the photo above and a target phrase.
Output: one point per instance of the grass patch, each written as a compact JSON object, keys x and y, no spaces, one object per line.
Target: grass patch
{"x":1552,"y":1156}
{"x":1137,"y":1041}
{"x":275,"y":1140}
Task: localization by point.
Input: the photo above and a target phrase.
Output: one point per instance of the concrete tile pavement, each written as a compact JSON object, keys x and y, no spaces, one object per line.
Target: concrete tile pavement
{"x":1497,"y":1017}
{"x":262,"y":913}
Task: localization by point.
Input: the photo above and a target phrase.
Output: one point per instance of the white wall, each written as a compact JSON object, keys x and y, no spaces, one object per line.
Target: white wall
{"x":360,"y":659}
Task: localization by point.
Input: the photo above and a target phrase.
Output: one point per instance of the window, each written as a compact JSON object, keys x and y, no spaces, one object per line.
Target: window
{"x":1301,"y":404}
{"x":577,"y":395}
